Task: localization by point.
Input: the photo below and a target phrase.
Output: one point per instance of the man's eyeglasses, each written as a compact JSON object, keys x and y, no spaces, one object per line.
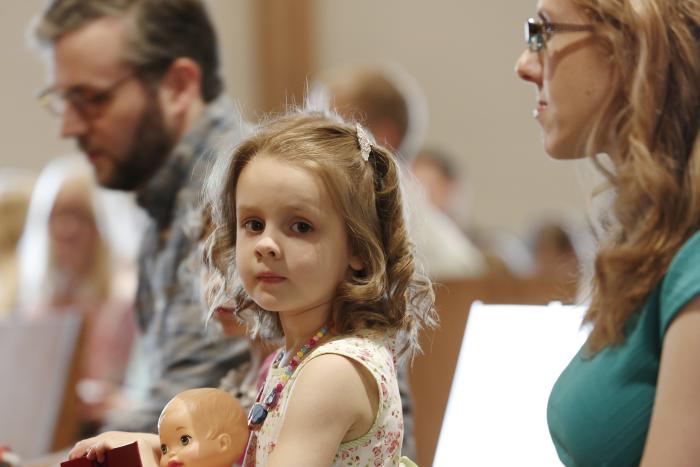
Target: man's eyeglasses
{"x":538,"y":32}
{"x":86,"y":102}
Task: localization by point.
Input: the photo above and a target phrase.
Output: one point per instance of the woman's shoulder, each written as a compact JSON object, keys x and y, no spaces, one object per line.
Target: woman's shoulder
{"x":683,"y":266}
{"x":689,"y":250}
{"x":682,"y":280}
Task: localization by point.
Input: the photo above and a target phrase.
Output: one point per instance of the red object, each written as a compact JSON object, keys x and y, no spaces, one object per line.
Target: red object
{"x":123,"y":456}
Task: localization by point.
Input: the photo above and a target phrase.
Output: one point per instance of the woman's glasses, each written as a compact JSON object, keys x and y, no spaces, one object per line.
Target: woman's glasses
{"x":538,"y":32}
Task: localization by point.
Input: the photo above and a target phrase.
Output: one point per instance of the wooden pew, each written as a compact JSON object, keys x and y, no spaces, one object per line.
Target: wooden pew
{"x":431,"y":373}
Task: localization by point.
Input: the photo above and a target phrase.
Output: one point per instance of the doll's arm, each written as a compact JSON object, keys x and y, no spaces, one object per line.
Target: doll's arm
{"x":94,"y":448}
{"x":333,"y":400}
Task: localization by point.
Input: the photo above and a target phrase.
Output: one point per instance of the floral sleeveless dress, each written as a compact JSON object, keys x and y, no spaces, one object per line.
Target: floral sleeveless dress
{"x":381,"y":445}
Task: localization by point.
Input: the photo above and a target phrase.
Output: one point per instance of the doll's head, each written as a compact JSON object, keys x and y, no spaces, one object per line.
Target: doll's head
{"x":202,"y":427}
{"x":378,"y":285}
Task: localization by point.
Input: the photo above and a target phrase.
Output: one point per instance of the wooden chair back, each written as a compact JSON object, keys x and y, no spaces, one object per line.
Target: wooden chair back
{"x":431,"y":373}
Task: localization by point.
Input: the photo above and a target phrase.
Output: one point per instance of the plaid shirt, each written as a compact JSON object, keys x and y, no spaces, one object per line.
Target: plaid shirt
{"x":178,"y":350}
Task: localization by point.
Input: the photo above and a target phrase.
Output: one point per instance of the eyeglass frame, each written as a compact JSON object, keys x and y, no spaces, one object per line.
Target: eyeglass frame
{"x":80,"y":102}
{"x":543,"y":30}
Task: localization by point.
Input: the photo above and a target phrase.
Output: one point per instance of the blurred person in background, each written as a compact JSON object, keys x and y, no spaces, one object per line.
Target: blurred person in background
{"x":561,"y":248}
{"x":136,"y":83}
{"x":554,"y":253}
{"x":66,"y":267}
{"x":15,"y":191}
{"x":437,"y":173}
{"x":388,"y":102}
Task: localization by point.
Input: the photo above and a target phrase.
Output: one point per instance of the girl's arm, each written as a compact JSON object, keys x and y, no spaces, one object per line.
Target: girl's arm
{"x":333,"y":400}
{"x":95,"y":448}
{"x":675,"y":421}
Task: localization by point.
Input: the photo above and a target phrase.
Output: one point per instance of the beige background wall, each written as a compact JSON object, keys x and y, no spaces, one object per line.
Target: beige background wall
{"x":461,"y":53}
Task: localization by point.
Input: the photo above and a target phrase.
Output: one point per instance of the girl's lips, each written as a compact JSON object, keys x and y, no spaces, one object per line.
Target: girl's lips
{"x":270,"y":278}
{"x":175,"y":464}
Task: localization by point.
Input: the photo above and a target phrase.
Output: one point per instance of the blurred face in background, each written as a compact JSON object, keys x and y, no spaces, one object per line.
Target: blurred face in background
{"x":73,"y":234}
{"x":213,"y":292}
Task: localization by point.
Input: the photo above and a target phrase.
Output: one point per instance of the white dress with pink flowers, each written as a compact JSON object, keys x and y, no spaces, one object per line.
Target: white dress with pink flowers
{"x":381,"y":445}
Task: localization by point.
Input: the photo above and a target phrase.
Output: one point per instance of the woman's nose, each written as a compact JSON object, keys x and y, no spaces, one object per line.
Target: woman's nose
{"x":529,"y":68}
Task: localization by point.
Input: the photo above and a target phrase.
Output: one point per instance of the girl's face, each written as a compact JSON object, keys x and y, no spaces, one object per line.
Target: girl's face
{"x":573,"y":79}
{"x":291,"y":246}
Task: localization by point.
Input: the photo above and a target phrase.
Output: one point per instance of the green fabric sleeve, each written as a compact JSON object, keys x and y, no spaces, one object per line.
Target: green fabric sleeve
{"x":681,"y":283}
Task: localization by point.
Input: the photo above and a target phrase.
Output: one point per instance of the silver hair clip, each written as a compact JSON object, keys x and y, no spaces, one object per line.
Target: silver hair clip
{"x":363,"y":140}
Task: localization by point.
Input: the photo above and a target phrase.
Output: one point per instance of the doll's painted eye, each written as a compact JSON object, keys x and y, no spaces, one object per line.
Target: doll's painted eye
{"x":185,"y":440}
{"x":164,"y":448}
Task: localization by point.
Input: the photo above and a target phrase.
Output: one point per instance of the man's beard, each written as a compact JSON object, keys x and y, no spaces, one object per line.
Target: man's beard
{"x":150,"y":147}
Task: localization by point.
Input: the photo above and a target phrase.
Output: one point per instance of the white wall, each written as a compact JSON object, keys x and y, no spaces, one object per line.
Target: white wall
{"x":461,"y":52}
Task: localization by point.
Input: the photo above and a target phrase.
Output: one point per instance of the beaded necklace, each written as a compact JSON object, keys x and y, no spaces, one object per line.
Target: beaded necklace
{"x":259,"y":411}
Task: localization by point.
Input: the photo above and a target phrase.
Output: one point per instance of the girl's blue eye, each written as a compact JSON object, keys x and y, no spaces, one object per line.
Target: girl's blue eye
{"x":301,"y":227}
{"x":185,"y":440}
{"x":164,"y":448}
{"x":254,"y":225}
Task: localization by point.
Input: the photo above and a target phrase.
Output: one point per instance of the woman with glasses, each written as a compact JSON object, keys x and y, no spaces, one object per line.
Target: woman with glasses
{"x":619,"y":81}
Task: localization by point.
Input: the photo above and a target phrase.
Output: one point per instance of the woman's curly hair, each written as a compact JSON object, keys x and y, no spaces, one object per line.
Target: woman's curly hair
{"x":650,"y":124}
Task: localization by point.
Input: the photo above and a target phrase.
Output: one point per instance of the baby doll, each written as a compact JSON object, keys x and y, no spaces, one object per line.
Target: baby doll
{"x":202,"y":427}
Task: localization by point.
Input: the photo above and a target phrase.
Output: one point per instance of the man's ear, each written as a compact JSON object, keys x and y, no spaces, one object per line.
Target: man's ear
{"x":223,"y":442}
{"x":181,"y":85}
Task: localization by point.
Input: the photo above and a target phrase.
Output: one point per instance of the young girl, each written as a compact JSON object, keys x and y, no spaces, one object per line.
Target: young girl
{"x":621,"y":78}
{"x":311,"y":210}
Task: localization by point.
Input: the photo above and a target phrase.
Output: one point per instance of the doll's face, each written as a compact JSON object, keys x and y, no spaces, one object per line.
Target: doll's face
{"x":183,"y":442}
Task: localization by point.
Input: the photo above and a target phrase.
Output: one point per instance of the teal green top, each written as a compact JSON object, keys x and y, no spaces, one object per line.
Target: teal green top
{"x":600,"y":407}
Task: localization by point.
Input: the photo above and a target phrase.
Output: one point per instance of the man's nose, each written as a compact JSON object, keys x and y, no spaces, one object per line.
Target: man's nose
{"x":72,"y":123}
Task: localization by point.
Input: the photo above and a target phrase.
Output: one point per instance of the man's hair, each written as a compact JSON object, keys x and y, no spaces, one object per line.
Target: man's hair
{"x":439,"y":159}
{"x":391,"y":293}
{"x":373,"y":94}
{"x":157,"y":33}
